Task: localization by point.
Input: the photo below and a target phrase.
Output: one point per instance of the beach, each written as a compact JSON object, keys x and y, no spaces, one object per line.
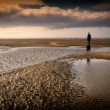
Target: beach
{"x":54,"y":55}
{"x":51,"y":77}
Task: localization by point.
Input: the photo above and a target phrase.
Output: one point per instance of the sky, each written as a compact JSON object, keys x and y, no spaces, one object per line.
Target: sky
{"x":54,"y":18}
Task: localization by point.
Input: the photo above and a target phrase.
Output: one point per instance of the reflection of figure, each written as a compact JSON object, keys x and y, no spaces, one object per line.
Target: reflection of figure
{"x":88,"y":47}
{"x":88,"y":60}
{"x":89,"y":38}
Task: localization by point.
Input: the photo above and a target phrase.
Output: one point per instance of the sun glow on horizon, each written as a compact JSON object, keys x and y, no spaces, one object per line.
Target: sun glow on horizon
{"x":41,"y":32}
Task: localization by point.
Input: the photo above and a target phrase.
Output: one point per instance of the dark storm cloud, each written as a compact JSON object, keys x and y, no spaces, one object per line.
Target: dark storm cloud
{"x":8,"y":14}
{"x":70,"y":3}
{"x":52,"y":21}
{"x":95,"y":5}
{"x":63,"y":14}
{"x":35,"y":6}
{"x":83,"y":4}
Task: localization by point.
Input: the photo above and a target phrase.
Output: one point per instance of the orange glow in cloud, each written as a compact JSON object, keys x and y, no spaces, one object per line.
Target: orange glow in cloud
{"x":13,"y":2}
{"x":77,"y":13}
{"x":80,"y":14}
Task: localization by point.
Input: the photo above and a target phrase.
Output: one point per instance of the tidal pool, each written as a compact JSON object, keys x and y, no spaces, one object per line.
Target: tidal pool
{"x":94,"y":75}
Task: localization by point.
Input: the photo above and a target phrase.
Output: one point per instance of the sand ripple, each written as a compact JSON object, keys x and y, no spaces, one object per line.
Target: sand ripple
{"x":24,"y":56}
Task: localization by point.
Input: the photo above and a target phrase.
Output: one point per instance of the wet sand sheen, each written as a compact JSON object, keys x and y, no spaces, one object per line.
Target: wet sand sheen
{"x":24,"y":56}
{"x":94,"y":75}
{"x":53,"y":80}
{"x":13,"y":58}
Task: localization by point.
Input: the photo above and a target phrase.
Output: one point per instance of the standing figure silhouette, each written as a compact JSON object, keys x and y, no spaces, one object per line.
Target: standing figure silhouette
{"x":89,"y":38}
{"x":89,"y":42}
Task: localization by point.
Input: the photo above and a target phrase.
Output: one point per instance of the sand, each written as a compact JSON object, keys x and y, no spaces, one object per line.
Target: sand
{"x":48,"y":85}
{"x":13,"y":58}
{"x":36,"y":83}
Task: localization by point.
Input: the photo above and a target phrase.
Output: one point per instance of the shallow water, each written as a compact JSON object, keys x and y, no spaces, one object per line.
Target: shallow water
{"x":93,"y":49}
{"x":12,"y":58}
{"x":101,"y":49}
{"x":94,"y":75}
{"x":5,"y":48}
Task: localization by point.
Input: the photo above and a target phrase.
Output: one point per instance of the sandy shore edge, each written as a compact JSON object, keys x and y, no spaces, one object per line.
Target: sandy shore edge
{"x":48,"y":85}
{"x":97,"y":55}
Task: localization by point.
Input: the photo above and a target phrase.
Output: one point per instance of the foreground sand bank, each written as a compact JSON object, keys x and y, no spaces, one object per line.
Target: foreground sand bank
{"x":45,"y":86}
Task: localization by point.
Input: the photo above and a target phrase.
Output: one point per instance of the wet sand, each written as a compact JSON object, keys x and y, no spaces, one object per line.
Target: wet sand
{"x":54,"y":42}
{"x":18,"y":57}
{"x":50,"y":84}
{"x":13,"y":58}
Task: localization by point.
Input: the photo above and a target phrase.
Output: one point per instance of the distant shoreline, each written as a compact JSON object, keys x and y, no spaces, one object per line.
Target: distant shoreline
{"x":54,"y":42}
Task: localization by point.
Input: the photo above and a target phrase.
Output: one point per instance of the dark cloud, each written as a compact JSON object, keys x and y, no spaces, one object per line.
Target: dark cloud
{"x":57,"y":17}
{"x":8,"y":14}
{"x":29,"y":6}
{"x":52,"y":21}
{"x":70,"y":3}
{"x":94,"y":5}
{"x":83,"y":4}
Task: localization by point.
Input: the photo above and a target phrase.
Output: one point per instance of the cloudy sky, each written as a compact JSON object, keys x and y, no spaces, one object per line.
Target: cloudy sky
{"x":54,"y":18}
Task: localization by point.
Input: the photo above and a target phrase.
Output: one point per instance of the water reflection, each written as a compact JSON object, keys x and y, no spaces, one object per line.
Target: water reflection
{"x":88,"y":60}
{"x":94,"y":75}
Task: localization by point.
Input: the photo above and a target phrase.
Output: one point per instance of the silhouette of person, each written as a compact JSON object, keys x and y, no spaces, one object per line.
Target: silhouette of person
{"x":89,"y":38}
